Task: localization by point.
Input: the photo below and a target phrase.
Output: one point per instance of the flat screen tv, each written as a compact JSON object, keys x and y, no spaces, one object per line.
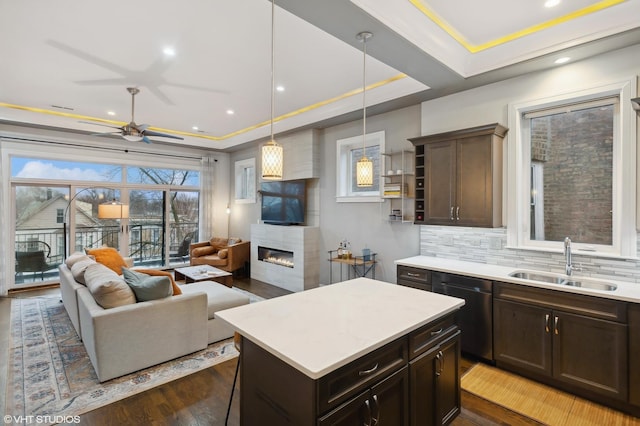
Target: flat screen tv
{"x":283,"y":202}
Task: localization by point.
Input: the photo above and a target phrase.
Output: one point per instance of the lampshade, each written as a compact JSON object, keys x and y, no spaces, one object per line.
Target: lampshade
{"x":113,"y":210}
{"x":364,"y":172}
{"x":272,"y":161}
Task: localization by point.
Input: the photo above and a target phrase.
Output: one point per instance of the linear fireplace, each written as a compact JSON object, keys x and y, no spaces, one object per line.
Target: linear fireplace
{"x":297,"y":251}
{"x":276,"y":256}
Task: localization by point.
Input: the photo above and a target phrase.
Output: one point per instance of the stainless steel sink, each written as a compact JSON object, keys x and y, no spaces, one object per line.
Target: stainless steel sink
{"x":551,"y":278}
{"x":538,"y":276}
{"x":595,"y":285}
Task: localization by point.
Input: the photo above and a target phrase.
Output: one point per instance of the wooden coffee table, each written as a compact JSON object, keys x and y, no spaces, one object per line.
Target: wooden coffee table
{"x":192,"y":274}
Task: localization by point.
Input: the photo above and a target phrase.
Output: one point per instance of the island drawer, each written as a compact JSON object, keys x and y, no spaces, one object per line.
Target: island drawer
{"x":347,"y":381}
{"x":428,"y":336}
{"x":414,"y":277}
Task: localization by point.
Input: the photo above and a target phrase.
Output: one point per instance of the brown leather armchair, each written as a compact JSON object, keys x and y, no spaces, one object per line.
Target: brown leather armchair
{"x":228,"y":254}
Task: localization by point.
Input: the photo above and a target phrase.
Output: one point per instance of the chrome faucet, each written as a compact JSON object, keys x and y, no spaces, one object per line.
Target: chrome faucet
{"x":567,"y":254}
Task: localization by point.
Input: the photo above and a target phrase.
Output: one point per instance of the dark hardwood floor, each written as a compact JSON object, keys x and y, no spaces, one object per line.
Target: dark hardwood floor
{"x":201,"y":398}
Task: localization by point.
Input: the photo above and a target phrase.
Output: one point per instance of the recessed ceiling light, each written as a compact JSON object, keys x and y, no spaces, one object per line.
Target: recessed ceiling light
{"x":562,"y":60}
{"x":112,"y":113}
{"x":169,"y":51}
{"x":551,"y":3}
{"x":230,"y":112}
{"x":195,"y":127}
{"x":280,"y":88}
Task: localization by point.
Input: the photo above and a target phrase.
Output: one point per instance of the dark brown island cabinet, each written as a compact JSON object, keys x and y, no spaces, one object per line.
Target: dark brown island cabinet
{"x":302,"y":375}
{"x":413,"y":381}
{"x":459,"y":177}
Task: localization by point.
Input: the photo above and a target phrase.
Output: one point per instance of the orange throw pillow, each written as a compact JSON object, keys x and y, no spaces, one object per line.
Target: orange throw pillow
{"x":156,"y":272}
{"x":109,"y":257}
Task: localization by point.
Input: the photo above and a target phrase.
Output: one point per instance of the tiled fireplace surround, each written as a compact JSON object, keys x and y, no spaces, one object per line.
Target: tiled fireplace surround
{"x":485,"y":245}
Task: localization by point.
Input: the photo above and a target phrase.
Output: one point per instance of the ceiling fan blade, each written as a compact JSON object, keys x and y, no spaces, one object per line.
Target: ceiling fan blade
{"x":100,"y":124}
{"x":142,"y":127}
{"x":106,"y":134}
{"x":146,"y":139}
{"x":164,"y":135}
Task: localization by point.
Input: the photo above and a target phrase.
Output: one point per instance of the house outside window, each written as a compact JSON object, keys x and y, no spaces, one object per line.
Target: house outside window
{"x":59,"y":215}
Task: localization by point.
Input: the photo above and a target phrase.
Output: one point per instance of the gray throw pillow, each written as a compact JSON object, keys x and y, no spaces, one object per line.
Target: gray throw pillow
{"x":147,"y":287}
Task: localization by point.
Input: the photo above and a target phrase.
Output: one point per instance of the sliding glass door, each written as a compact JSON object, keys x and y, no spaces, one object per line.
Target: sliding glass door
{"x":57,"y":204}
{"x":39,"y":232}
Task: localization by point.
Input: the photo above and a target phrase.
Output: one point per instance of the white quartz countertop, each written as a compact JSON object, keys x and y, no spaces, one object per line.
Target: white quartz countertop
{"x":319,"y":330}
{"x":625,"y":291}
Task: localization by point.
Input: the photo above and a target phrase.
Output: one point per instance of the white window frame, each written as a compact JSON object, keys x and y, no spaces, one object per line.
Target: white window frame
{"x":624,"y":172}
{"x":245,"y":182}
{"x":345,"y":173}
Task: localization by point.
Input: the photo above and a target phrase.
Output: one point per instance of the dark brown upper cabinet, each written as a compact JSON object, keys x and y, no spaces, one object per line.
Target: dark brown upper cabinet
{"x":459,"y":177}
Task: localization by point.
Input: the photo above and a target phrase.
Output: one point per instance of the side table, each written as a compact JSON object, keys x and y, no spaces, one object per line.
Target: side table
{"x":358,"y":266}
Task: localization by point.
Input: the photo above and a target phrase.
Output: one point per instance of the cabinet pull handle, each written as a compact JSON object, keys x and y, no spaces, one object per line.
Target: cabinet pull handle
{"x":376,"y":419}
{"x":546,"y":323}
{"x":411,"y":274}
{"x":451,"y":214}
{"x":369,"y":371}
{"x":439,"y":359}
{"x":555,"y":325}
{"x":458,"y":213}
{"x":368,"y":423}
{"x":433,"y":333}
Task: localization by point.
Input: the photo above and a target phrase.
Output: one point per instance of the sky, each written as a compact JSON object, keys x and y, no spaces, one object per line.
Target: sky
{"x":66,"y":170}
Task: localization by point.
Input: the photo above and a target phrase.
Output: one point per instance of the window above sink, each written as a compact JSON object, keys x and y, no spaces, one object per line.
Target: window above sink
{"x":551,"y":159}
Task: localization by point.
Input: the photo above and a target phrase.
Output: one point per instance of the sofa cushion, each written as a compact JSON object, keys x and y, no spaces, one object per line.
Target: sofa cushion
{"x":109,"y":257}
{"x":76,"y":257}
{"x":203,"y":251}
{"x":223,"y":253}
{"x":147,"y":287}
{"x":108,"y":288}
{"x":157,"y":272}
{"x":234,"y":240}
{"x":212,"y":260}
{"x":218,"y":242}
{"x":79,"y":268}
{"x":219,"y":297}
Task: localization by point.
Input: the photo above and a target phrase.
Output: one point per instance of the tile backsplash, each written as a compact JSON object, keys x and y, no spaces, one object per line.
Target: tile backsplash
{"x":488,"y":245}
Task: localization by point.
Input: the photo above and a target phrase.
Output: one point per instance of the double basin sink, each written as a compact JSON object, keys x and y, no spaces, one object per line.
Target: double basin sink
{"x":550,"y":278}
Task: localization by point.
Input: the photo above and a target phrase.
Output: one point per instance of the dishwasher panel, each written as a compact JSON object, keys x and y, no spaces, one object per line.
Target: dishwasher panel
{"x":476,"y":316}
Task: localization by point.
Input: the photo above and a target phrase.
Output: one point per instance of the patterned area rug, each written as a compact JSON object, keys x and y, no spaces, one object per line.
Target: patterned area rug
{"x":50,"y":374}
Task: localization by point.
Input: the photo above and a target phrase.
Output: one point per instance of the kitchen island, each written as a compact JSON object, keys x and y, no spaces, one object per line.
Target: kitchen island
{"x":355,"y":352}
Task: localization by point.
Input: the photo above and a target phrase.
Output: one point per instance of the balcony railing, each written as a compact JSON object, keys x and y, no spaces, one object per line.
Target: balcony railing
{"x":146,"y":245}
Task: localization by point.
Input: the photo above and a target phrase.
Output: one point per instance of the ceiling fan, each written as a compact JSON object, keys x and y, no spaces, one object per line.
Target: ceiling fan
{"x":134,"y":132}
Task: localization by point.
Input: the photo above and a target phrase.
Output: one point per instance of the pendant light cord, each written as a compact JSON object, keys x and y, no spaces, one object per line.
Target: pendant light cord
{"x":273,"y":61}
{"x":364,"y":96}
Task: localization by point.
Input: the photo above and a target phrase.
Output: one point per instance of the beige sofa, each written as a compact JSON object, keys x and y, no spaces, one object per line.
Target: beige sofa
{"x":122,"y":339}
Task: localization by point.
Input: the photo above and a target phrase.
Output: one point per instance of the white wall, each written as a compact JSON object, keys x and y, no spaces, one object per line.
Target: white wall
{"x":363,"y":224}
{"x":488,"y":104}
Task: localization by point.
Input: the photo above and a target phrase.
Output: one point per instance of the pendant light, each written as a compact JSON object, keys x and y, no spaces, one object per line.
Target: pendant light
{"x":364,"y":167}
{"x":272,"y":153}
